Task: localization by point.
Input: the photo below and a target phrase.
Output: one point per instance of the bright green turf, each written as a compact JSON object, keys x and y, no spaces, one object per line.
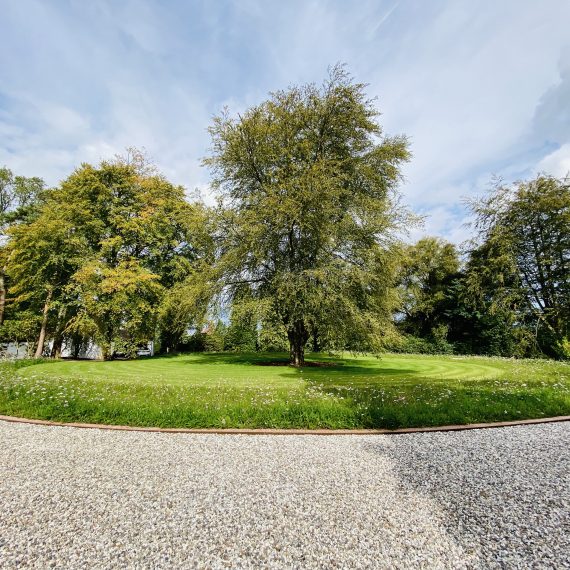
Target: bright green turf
{"x":226,"y":390}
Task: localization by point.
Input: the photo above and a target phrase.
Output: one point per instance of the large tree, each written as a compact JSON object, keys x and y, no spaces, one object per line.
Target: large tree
{"x":102,"y":251}
{"x":483,"y":307}
{"x":429,"y":267}
{"x":42,"y":255}
{"x":524,"y":232}
{"x":19,"y":198}
{"x":137,"y":226}
{"x":307,"y":184}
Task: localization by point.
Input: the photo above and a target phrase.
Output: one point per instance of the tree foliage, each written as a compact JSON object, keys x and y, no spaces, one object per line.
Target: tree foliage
{"x":308,"y":182}
{"x":18,"y":196}
{"x":524,"y":231}
{"x":19,"y":199}
{"x":102,"y":251}
{"x":428,"y":269}
{"x":304,"y":248}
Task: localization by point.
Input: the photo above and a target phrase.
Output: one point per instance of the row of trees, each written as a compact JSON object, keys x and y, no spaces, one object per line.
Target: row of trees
{"x":509,"y":293}
{"x":94,"y":258}
{"x":303,"y":248}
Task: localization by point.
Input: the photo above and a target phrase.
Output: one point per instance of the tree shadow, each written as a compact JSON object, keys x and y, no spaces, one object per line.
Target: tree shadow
{"x":331,"y":365}
{"x":240,"y":359}
{"x":398,"y":399}
{"x":477,"y":480}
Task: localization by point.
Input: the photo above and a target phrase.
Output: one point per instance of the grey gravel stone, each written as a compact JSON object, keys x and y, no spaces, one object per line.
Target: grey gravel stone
{"x":76,"y":498}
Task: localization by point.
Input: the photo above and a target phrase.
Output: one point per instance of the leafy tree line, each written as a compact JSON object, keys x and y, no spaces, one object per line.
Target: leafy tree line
{"x":303,"y":250}
{"x":93,"y":259}
{"x":511,"y":295}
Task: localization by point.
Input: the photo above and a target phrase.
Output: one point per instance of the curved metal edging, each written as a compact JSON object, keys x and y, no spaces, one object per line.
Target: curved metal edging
{"x":272,"y":431}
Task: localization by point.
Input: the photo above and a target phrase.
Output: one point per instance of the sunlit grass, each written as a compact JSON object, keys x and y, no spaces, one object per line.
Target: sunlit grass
{"x":225,"y":390}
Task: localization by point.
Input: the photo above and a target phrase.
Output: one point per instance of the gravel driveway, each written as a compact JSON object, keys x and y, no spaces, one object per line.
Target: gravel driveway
{"x":80,"y":498}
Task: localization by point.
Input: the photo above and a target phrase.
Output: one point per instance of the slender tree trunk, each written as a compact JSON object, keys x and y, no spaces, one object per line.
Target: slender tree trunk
{"x":106,"y":351}
{"x":107,"y":347}
{"x":316,"y":343}
{"x":2,"y":295}
{"x":298,"y":336}
{"x":58,"y":337}
{"x":42,"y":338}
{"x":76,"y":343}
{"x":57,"y":344}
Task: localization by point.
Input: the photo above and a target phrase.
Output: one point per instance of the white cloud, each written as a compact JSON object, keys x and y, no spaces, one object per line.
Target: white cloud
{"x":556,"y":163}
{"x":468,"y":96}
{"x":444,"y":221}
{"x":479,"y":88}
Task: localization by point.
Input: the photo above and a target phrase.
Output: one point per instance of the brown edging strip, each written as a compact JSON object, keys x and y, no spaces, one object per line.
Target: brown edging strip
{"x":270,"y":431}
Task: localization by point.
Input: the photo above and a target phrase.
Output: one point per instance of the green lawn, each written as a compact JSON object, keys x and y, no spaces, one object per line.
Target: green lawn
{"x":226,"y":390}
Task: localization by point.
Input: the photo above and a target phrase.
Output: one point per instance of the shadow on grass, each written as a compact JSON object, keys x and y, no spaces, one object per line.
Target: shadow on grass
{"x":343,"y":367}
{"x":219,"y":357}
{"x":357,"y":394}
{"x":420,"y":403}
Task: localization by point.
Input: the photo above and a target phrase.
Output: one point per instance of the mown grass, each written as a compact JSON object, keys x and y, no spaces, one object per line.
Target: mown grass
{"x":227,"y":390}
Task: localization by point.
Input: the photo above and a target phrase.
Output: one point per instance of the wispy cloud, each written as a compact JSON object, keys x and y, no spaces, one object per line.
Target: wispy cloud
{"x":480,"y":89}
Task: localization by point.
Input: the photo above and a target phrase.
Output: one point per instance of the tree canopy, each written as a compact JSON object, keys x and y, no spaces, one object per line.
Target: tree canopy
{"x":524,"y":231}
{"x":305,"y":249}
{"x":19,"y":198}
{"x":101,"y":252}
{"x":309,"y":213}
{"x":428,"y":270}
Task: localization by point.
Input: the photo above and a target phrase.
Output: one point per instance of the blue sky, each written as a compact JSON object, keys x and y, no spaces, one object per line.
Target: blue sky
{"x":481,"y":88}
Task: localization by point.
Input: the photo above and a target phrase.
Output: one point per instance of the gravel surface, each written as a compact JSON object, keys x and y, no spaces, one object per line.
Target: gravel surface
{"x":80,"y":498}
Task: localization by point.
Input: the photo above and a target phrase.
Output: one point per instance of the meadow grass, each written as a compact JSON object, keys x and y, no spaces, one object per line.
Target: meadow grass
{"x":233,"y":390}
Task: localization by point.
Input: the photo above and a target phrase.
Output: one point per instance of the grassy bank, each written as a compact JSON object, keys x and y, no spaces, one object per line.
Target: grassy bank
{"x":225,"y":390}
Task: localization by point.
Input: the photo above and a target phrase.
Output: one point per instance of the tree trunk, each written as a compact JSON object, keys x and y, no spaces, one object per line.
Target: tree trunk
{"x":58,"y":337}
{"x":76,"y":342}
{"x":298,"y":336}
{"x":316,"y":343}
{"x":42,"y":338}
{"x":57,"y":344}
{"x":2,"y":295}
{"x":106,"y":351}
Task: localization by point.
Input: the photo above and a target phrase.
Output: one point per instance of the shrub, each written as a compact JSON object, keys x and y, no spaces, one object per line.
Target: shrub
{"x":409,"y":344}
